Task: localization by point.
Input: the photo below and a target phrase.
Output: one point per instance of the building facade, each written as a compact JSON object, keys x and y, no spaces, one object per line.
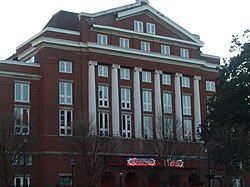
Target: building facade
{"x":126,"y":67}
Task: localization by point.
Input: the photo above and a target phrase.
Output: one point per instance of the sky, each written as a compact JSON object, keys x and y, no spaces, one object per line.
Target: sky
{"x":215,"y":21}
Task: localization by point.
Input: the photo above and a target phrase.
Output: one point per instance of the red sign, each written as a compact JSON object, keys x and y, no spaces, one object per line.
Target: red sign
{"x":141,"y":162}
{"x":175,"y":163}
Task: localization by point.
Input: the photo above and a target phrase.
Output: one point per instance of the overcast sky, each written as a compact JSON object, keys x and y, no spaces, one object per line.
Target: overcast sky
{"x":214,"y":20}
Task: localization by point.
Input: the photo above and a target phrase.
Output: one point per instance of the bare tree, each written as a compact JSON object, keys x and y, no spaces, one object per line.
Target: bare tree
{"x":90,"y":150}
{"x":166,"y":146}
{"x":11,"y":148}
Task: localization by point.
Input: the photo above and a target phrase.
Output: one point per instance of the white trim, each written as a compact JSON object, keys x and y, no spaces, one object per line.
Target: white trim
{"x":64,"y":31}
{"x":144,"y":34}
{"x":19,"y":63}
{"x":136,"y":10}
{"x":23,"y":75}
{"x":210,"y":56}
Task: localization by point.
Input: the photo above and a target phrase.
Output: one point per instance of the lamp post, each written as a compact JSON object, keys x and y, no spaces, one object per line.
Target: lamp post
{"x":120,"y":176}
{"x":199,"y":160}
{"x":25,"y":141}
{"x":72,"y":163}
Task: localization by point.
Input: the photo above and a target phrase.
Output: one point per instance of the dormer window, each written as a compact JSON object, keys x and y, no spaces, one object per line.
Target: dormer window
{"x":150,"y":28}
{"x":145,"y":46}
{"x":102,"y":39}
{"x":138,"y":26}
{"x":184,"y":53}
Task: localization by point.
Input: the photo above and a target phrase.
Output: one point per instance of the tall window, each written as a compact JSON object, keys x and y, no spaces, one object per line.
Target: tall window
{"x":166,"y":79}
{"x":22,"y":92}
{"x":187,"y":129}
{"x":65,"y":122}
{"x":124,"y":74}
{"x":22,"y":120}
{"x":19,"y":159}
{"x":167,"y":102}
{"x":184,"y":53}
{"x":19,"y":181}
{"x":126,"y":126}
{"x":65,"y":89}
{"x":147,"y":100}
{"x":138,"y":26}
{"x":65,"y":67}
{"x":102,"y":39}
{"x":165,"y":49}
{"x":125,"y":98}
{"x":168,"y":127}
{"x":150,"y":28}
{"x":185,"y":82}
{"x":210,"y":86}
{"x":148,"y":127}
{"x":146,"y":76}
{"x":103,"y":124}
{"x":145,"y":46}
{"x":186,"y":104}
{"x":102,"y":71}
{"x":237,"y":182}
{"x":103,"y":96}
{"x":124,"y":42}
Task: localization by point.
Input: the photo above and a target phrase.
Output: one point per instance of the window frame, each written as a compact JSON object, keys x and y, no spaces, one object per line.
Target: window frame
{"x":103,"y":71}
{"x":167,"y":102}
{"x":19,"y":159}
{"x":146,"y":76}
{"x":184,"y":52}
{"x":126,"y":126}
{"x":185,"y":82}
{"x":103,"y":127}
{"x":21,"y":178}
{"x":188,"y":129}
{"x":126,"y":98}
{"x":145,"y":46}
{"x":168,"y":127}
{"x":65,"y":66}
{"x":147,"y":100}
{"x":210,"y":86}
{"x":186,"y":105}
{"x":148,"y":127}
{"x":165,"y":49}
{"x":125,"y":74}
{"x":23,"y":91}
{"x":103,"y":101}
{"x":150,"y":28}
{"x":166,"y":79}
{"x":65,"y":127}
{"x":65,"y":98}
{"x":102,"y":39}
{"x":138,"y":26}
{"x":19,"y":122}
{"x":124,"y":42}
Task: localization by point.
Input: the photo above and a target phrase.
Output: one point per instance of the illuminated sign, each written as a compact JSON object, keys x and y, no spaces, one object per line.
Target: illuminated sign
{"x":175,"y":163}
{"x":141,"y":162}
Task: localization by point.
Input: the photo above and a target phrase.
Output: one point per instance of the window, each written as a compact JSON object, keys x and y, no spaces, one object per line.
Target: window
{"x":145,"y":46}
{"x":126,"y":126}
{"x":168,"y":127}
{"x":187,"y":129}
{"x":103,"y":96}
{"x":65,"y":93}
{"x":65,"y":67}
{"x":19,"y":158}
{"x":186,"y":104}
{"x":102,"y":39}
{"x":216,"y":181}
{"x":65,"y":180}
{"x":125,"y":98}
{"x":124,"y":42}
{"x":138,"y":26}
{"x":166,"y":79}
{"x":124,"y":74}
{"x":146,"y":76}
{"x":65,"y":122}
{"x":147,"y":100}
{"x":150,"y":28}
{"x":210,"y":86}
{"x":184,"y":52}
{"x":19,"y":182}
{"x":237,"y":182}
{"x":148,"y":128}
{"x":167,"y":102}
{"x":22,"y":92}
{"x":22,"y":120}
{"x":102,"y":71}
{"x":185,"y":82}
{"x":103,"y":124}
{"x":165,"y":49}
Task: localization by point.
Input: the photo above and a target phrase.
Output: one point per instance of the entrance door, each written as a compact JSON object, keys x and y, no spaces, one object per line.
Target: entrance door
{"x":153,"y":180}
{"x":107,"y":180}
{"x":131,"y":180}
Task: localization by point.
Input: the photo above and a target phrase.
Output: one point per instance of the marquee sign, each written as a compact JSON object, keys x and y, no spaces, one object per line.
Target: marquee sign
{"x":175,"y":163}
{"x":141,"y":162}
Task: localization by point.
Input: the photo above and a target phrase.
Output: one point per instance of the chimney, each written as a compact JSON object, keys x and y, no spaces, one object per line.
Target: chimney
{"x":142,"y":1}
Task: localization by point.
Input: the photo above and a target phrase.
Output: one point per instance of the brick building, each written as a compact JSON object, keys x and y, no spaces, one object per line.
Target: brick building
{"x":126,"y":67}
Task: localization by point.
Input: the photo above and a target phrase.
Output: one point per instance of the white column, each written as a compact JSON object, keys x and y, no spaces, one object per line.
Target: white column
{"x":115,"y":101}
{"x":178,"y":106}
{"x":92,"y":97}
{"x":197,"y":104}
{"x":137,"y":103}
{"x":158,"y":104}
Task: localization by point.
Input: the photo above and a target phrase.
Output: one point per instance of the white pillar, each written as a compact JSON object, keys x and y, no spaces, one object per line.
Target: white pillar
{"x":92,"y":97}
{"x":137,"y":103}
{"x":115,"y":101}
{"x":158,"y":104}
{"x":197,"y":104}
{"x":178,"y":106}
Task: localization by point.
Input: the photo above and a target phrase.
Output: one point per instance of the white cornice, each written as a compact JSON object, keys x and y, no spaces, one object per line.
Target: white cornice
{"x":52,"y":29}
{"x":26,"y":76}
{"x":102,"y":27}
{"x":210,"y":56}
{"x":19,"y":63}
